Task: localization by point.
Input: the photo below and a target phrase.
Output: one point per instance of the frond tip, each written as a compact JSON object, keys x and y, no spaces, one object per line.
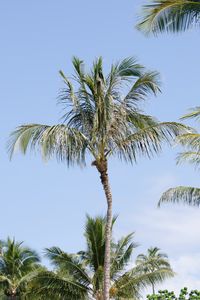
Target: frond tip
{"x":193,"y":114}
{"x":186,"y":195}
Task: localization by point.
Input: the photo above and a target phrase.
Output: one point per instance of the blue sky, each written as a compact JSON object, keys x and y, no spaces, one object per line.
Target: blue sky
{"x":45,"y":204}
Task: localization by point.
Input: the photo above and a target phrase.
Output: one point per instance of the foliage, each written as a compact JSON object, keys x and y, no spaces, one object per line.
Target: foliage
{"x":18,"y":265}
{"x":169,"y":15}
{"x":152,"y":261}
{"x":83,"y":272}
{"x":100,"y":118}
{"x":184,"y":295}
{"x":191,"y":141}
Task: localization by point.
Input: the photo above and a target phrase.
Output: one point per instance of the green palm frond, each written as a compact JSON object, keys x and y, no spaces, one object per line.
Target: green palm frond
{"x":5,"y":282}
{"x":148,"y":140}
{"x":146,"y":84}
{"x":64,"y":143}
{"x":65,"y":261}
{"x":189,"y":156}
{"x":181,"y":194}
{"x":48,"y":285}
{"x":122,"y":252}
{"x":95,"y":238}
{"x":193,"y":114}
{"x":68,"y":93}
{"x":127,"y":68}
{"x":169,"y":15}
{"x":190,"y":140}
{"x":132,"y":282}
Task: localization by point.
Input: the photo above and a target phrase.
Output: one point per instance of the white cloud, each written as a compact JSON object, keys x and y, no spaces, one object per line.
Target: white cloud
{"x":187,"y":268}
{"x":173,"y":228}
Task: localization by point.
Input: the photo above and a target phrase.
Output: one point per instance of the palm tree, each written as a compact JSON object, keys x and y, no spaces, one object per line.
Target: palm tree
{"x":81,"y":274}
{"x":154,"y":260}
{"x":182,"y":194}
{"x":18,"y":265}
{"x":169,"y":15}
{"x":101,"y":120}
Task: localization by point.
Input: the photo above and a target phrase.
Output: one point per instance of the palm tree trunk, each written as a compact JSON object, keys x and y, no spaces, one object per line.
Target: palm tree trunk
{"x":153,"y":289}
{"x":102,"y":167}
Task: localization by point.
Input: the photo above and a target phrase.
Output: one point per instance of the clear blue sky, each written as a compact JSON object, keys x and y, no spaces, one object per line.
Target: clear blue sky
{"x":45,"y":204}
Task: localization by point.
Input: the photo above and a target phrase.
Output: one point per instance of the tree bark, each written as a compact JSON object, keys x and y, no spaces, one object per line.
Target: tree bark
{"x":153,"y":288}
{"x":102,"y":167}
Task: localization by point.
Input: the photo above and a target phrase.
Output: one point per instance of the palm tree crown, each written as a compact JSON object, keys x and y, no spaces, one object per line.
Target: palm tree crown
{"x":169,"y":15}
{"x":99,"y":119}
{"x":83,"y":272}
{"x":17,"y":266}
{"x":152,"y":261}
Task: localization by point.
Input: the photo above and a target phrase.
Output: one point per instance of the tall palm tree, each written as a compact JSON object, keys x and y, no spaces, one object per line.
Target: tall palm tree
{"x":186,"y":194}
{"x":169,"y":15}
{"x":154,"y":260}
{"x":81,"y":274}
{"x":18,"y":265}
{"x":102,"y":119}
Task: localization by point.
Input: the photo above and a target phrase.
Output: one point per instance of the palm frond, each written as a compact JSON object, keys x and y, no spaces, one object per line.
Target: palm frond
{"x":193,"y":114}
{"x":56,"y":286}
{"x":64,"y":143}
{"x":169,"y":15}
{"x":190,"y":140}
{"x":63,"y":260}
{"x":68,"y":93}
{"x":95,"y":238}
{"x":181,"y":194}
{"x":129,"y":67}
{"x":130,"y":284}
{"x":148,"y":140}
{"x":79,"y":68}
{"x":146,"y":84}
{"x":189,"y":156}
{"x":120,"y":72}
{"x":121,"y":256}
{"x":5,"y":282}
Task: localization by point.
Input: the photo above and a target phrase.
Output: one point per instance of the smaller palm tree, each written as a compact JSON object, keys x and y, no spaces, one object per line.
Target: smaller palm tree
{"x":18,"y":264}
{"x":153,"y":261}
{"x":169,"y":15}
{"x":191,"y":141}
{"x":80,"y":276}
